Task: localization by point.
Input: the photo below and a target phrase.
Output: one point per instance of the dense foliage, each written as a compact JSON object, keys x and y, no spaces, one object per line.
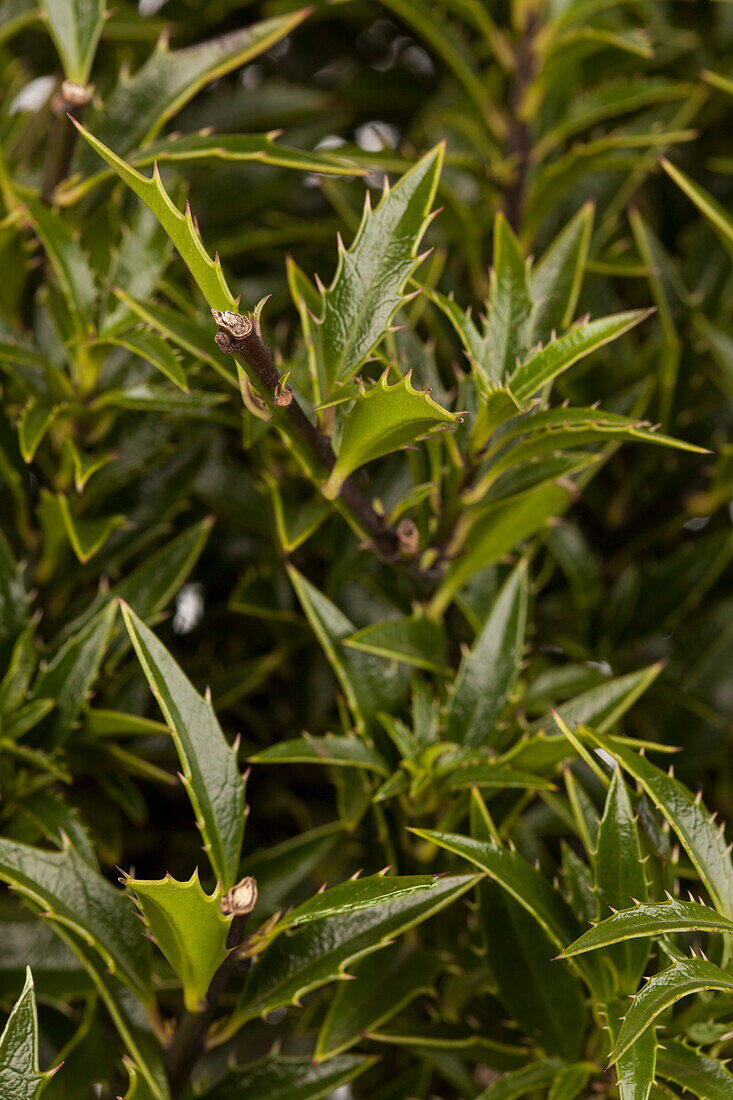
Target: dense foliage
{"x":426,"y":562}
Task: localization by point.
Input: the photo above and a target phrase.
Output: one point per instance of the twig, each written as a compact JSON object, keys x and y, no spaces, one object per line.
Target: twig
{"x":71,"y":102}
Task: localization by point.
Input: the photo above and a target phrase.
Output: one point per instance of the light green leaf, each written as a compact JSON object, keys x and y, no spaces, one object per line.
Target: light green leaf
{"x":718,"y":216}
{"x":619,"y":878}
{"x":602,"y":706}
{"x":77,"y":897}
{"x":349,"y":752}
{"x":702,"y":838}
{"x":546,"y":364}
{"x":140,"y":105}
{"x":54,"y":817}
{"x":279,"y":1078}
{"x":384,"y":419}
{"x":493,"y":775}
{"x":75,"y":27}
{"x":35,"y":420}
{"x":700,"y":1074}
{"x":366,"y":290}
{"x":522,"y":1082}
{"x":354,"y":895}
{"x":69,"y":263}
{"x":152,"y":348}
{"x":20,"y":1077}
{"x":87,"y":536}
{"x":296,"y":522}
{"x":189,"y":928}
{"x":309,"y":957}
{"x":665,"y":989}
{"x":137,"y":1088}
{"x":196,"y":404}
{"x":69,"y":676}
{"x":489,"y":670}
{"x":508,"y":332}
{"x":653,"y":919}
{"x":416,"y":641}
{"x":210,"y":772}
{"x":570,"y":1081}
{"x":556,"y":280}
{"x":180,"y":227}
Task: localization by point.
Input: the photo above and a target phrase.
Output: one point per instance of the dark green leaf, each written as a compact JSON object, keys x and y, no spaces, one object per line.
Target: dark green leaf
{"x":278,"y":1078}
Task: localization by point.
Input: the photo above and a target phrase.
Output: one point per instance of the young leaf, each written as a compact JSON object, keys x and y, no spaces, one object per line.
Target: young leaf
{"x":700,"y":1074}
{"x":701,"y":837}
{"x":180,"y":227}
{"x":665,"y":989}
{"x":366,"y":290}
{"x":545,"y":365}
{"x":315,"y":954}
{"x":416,"y":641}
{"x":489,"y":670}
{"x":619,"y":876}
{"x":344,"y":752}
{"x":189,"y":928}
{"x":508,"y":333}
{"x":279,"y":1078}
{"x":653,"y":919}
{"x":20,"y":1077}
{"x":356,"y":894}
{"x":384,"y":419}
{"x":555,"y":281}
{"x":210,"y":772}
{"x":376,"y":995}
{"x":522,"y":1082}
{"x":75,"y":27}
{"x":75,"y":895}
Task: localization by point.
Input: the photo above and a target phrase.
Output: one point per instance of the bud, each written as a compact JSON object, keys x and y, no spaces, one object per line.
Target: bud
{"x":241,"y":899}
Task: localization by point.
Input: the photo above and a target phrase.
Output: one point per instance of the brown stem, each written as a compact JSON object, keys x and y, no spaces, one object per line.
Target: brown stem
{"x":71,"y":100}
{"x":189,"y":1041}
{"x":519,"y":136}
{"x":238,"y":336}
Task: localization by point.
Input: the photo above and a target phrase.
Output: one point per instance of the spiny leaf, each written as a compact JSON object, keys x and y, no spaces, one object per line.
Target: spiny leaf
{"x":702,"y":1075}
{"x":653,"y":919}
{"x":69,"y":263}
{"x":521,"y":1082}
{"x":75,"y":26}
{"x":20,"y":1077}
{"x":189,"y":928}
{"x":555,"y":281}
{"x":279,"y":1078}
{"x":366,"y":290}
{"x":210,"y":772}
{"x":152,"y":348}
{"x":384,"y":419}
{"x":570,"y":1081}
{"x":180,"y":227}
{"x":331,"y":749}
{"x":416,"y":641}
{"x":356,"y":894}
{"x":636,"y":1068}
{"x":662,"y":991}
{"x":507,"y":336}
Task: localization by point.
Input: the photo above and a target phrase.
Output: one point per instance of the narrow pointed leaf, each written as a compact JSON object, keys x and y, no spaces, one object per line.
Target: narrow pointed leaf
{"x":279,"y":1078}
{"x":522,"y":1082}
{"x":356,"y":894}
{"x":14,"y":600}
{"x":188,"y":926}
{"x":384,"y":419}
{"x":69,"y":263}
{"x":366,"y":290}
{"x":718,"y":216}
{"x":508,"y":332}
{"x":488,"y":671}
{"x":152,"y":348}
{"x":416,"y":641}
{"x":35,"y":420}
{"x":210,"y":772}
{"x":651,"y":919}
{"x":20,"y":1077}
{"x":570,"y":1081}
{"x":662,"y":991}
{"x":700,"y":1074}
{"x":636,"y":1068}
{"x":75,"y":26}
{"x":349,"y":752}
{"x":87,"y":536}
{"x":555,"y":281}
{"x":602,"y":706}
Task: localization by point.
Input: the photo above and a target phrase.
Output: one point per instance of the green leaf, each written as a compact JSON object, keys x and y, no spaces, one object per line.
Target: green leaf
{"x":150,"y":587}
{"x":653,"y":919}
{"x":367,"y":685}
{"x":716,"y":214}
{"x":384,"y":419}
{"x":14,"y":600}
{"x":415,"y":641}
{"x":77,"y":897}
{"x":309,"y":957}
{"x":68,"y":678}
{"x":69,"y":263}
{"x":662,"y":991}
{"x":280,"y":869}
{"x":546,"y":364}
{"x":556,"y":280}
{"x":366,"y":290}
{"x":15,"y":15}
{"x":602,"y":706}
{"x":570,"y":1081}
{"x":180,"y":227}
{"x":189,"y":928}
{"x":636,"y":1068}
{"x":138,"y":1088}
{"x":20,"y":1077}
{"x":87,"y":536}
{"x":489,"y":670}
{"x":508,"y":332}
{"x":210,"y":772}
{"x":354,"y":895}
{"x":155,"y":350}
{"x":342,"y":751}
{"x":375,"y":995}
{"x":619,"y":878}
{"x":35,"y":420}
{"x":493,"y":775}
{"x":700,"y":1074}
{"x":522,"y":1082}
{"x":75,"y":27}
{"x":140,"y":105}
{"x":701,"y":837}
{"x":278,"y":1078}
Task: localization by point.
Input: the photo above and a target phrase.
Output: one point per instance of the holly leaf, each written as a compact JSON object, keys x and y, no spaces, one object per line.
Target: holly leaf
{"x":510,"y":308}
{"x":210,"y":772}
{"x":35,"y":420}
{"x":75,"y":27}
{"x":342,"y":751}
{"x":188,"y":926}
{"x":354,"y":895}
{"x":416,"y":641}
{"x":20,"y":1077}
{"x":278,"y":1078}
{"x":384,"y":419}
{"x":658,"y":918}
{"x":700,"y":1074}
